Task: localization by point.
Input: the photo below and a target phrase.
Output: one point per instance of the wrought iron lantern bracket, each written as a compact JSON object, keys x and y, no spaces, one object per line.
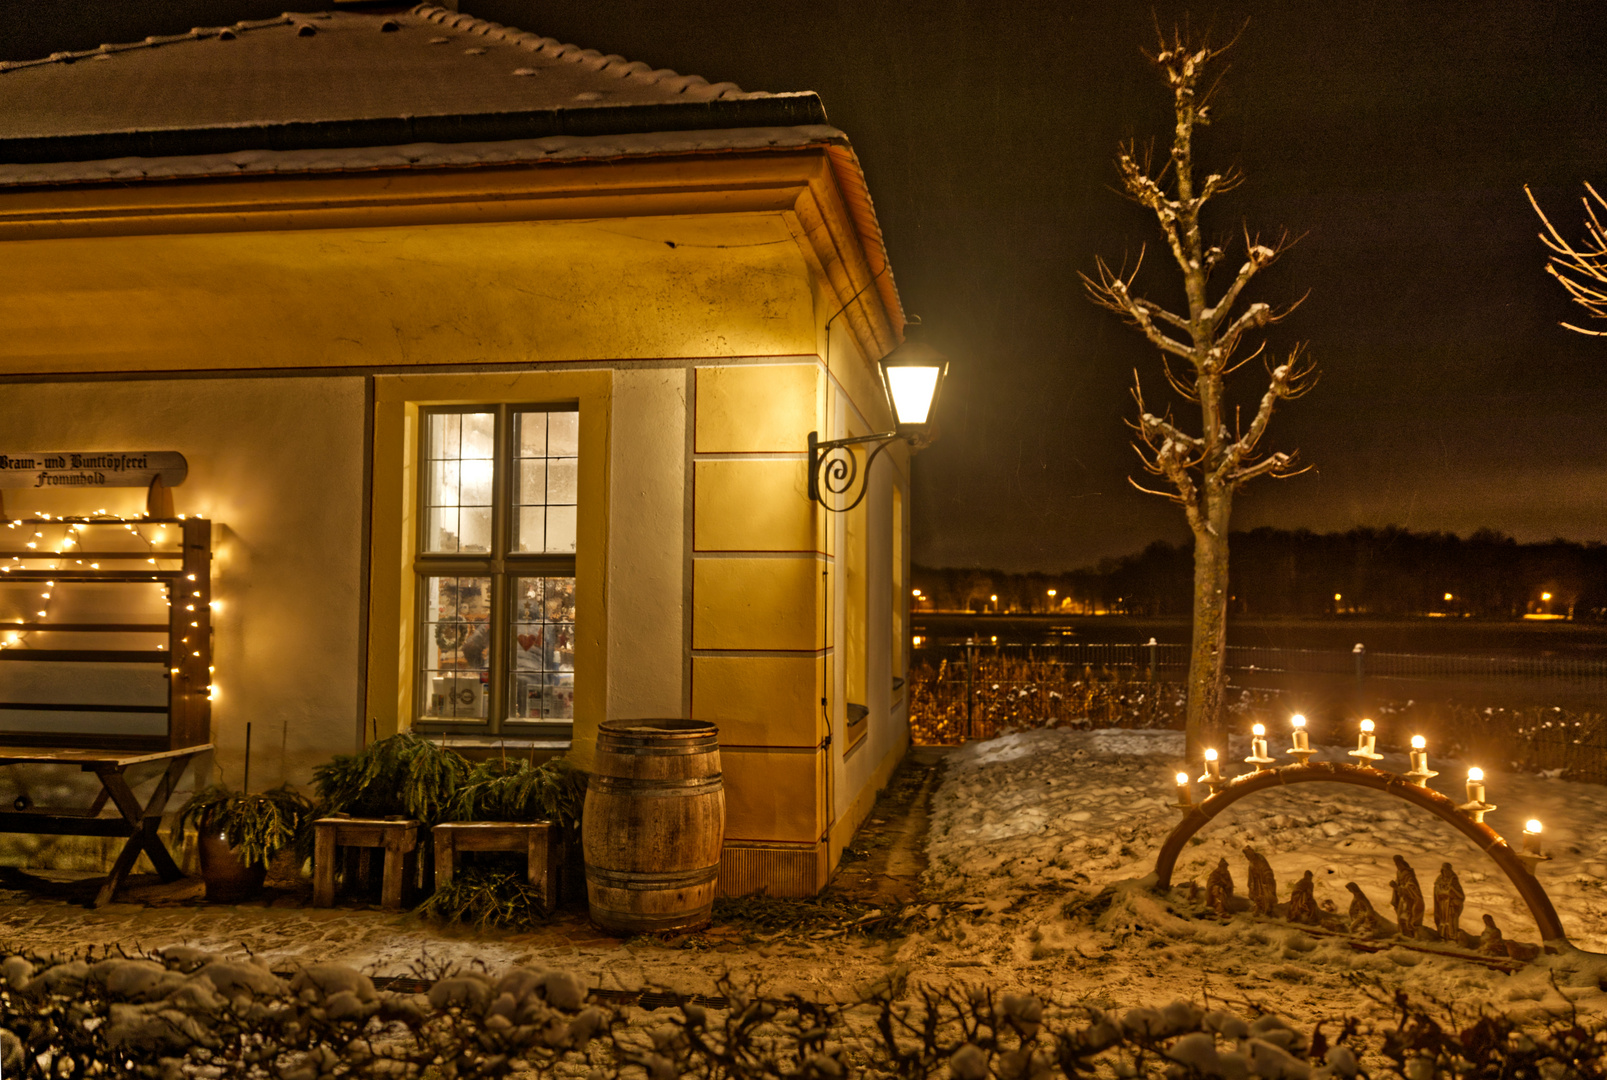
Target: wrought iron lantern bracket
{"x":834,"y":470}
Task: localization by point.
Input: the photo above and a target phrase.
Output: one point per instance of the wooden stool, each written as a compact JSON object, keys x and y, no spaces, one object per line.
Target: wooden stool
{"x":537,"y":839}
{"x":360,"y":836}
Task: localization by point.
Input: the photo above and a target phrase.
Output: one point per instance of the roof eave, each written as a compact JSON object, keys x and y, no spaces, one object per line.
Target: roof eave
{"x":767,"y":111}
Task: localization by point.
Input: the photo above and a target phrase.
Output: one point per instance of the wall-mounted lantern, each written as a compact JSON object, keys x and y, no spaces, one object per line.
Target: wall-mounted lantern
{"x":912,"y":376}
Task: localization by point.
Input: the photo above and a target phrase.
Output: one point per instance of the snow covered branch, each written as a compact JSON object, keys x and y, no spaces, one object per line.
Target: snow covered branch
{"x":1203,"y":471}
{"x":1113,"y":291}
{"x":1582,"y":270}
{"x":1289,"y":380}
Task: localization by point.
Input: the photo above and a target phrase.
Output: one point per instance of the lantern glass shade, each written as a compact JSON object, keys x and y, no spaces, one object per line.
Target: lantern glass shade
{"x":913,"y":374}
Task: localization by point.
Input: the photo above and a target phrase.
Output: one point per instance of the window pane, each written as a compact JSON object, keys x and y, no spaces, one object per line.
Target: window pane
{"x":476,"y":524}
{"x":459,"y":471}
{"x":530,"y":433}
{"x":561,"y":481}
{"x":563,"y":434}
{"x":560,"y":528}
{"x":479,"y":435}
{"x":456,"y":642}
{"x":444,"y":434}
{"x":532,"y":481}
{"x":532,"y":523}
{"x":543,"y":646}
{"x":546,"y":478}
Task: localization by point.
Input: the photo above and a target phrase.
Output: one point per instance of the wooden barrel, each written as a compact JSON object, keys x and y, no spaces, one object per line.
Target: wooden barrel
{"x":653,"y":826}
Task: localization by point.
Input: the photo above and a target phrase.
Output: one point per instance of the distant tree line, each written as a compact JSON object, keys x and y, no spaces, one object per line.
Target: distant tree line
{"x":1388,"y":572}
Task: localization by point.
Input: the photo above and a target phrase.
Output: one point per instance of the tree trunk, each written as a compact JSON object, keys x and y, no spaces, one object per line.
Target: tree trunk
{"x":1207,"y":677}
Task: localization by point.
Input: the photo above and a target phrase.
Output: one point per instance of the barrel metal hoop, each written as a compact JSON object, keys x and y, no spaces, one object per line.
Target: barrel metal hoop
{"x":636,"y":922}
{"x":649,"y":881}
{"x":654,"y":788}
{"x":706,"y":744}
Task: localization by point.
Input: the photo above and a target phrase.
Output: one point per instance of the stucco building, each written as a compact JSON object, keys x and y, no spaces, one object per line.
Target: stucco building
{"x":493,"y":362}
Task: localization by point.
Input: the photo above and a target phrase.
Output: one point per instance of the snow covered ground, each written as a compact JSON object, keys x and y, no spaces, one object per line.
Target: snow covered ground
{"x":1037,"y":848}
{"x":1026,"y":822}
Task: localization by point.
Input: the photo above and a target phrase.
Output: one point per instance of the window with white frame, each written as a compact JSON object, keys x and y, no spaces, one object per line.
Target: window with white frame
{"x":495,"y":567}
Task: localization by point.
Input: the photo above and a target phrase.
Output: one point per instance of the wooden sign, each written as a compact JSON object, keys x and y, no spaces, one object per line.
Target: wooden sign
{"x":91,"y":469}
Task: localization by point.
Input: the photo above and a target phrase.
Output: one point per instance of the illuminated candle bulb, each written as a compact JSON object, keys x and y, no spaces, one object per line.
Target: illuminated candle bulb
{"x":1475,"y":785}
{"x":1213,"y":771}
{"x":1184,"y":798}
{"x":1258,"y":748}
{"x":1420,"y":773}
{"x":1299,"y":723}
{"x":1366,"y":743}
{"x":1531,"y":837}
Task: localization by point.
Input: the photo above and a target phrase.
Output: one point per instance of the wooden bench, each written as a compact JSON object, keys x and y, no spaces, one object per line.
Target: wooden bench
{"x":538,"y":840}
{"x":361,"y":837}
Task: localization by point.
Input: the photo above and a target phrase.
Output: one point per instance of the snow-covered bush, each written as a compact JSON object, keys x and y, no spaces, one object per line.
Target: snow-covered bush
{"x":181,"y":1012}
{"x":184,"y":1013}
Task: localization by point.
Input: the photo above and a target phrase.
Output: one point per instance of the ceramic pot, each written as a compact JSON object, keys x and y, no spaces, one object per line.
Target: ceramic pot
{"x":228,"y":878}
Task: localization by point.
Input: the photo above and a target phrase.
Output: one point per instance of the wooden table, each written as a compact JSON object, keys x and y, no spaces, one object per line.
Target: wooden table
{"x":140,"y":824}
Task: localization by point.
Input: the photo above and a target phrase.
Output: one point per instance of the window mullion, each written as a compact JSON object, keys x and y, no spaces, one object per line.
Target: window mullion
{"x":501,"y":527}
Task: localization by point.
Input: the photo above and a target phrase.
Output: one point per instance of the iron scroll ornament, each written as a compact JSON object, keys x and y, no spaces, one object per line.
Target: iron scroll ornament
{"x":834,"y":470}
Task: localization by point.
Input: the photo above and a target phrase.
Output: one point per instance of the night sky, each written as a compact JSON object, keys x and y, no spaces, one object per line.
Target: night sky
{"x":1395,"y":137}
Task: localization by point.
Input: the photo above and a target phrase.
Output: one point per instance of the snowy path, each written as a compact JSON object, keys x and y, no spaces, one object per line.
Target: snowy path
{"x":1026,"y":821}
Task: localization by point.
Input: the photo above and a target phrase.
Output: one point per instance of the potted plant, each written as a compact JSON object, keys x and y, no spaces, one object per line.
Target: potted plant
{"x":497,"y":886}
{"x":240,"y":833}
{"x":403,"y":775}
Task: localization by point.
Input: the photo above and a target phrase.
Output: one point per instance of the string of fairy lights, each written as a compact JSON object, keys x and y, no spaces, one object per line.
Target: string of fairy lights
{"x":1366,"y":754}
{"x":70,"y":544}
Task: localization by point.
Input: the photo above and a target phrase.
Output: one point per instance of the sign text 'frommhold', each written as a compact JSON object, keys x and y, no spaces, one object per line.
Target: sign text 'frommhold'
{"x":91,"y":469}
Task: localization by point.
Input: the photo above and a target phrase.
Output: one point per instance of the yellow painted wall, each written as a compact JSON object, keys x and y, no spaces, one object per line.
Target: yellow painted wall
{"x":647,"y":544}
{"x":540,"y":291}
{"x":277,"y":465}
{"x":759,"y":699}
{"x":757,"y":603}
{"x":755,"y":504}
{"x":758,"y":595}
{"x":772,"y":794}
{"x":713,"y":601}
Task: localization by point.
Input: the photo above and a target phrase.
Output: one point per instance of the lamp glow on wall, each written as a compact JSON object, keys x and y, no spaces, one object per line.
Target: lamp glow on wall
{"x":912,"y":377}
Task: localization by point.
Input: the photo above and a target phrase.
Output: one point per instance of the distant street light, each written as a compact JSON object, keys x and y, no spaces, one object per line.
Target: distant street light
{"x":995,"y":599}
{"x":1051,"y":599}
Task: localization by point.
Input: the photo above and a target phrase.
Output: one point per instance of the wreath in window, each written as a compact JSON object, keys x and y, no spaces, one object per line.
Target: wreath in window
{"x":450,"y":636}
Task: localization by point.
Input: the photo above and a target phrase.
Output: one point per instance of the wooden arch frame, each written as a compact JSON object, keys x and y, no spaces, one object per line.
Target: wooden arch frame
{"x":1483,"y":836}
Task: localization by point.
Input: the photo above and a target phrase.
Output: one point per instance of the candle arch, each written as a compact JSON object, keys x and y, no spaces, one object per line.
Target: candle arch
{"x":1492,"y":843}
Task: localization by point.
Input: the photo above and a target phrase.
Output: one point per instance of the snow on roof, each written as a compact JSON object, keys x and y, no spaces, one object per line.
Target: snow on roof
{"x":327,"y":66}
{"x":335,"y":91}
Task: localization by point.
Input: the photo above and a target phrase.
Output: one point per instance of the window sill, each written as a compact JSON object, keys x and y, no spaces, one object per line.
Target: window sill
{"x":496,"y":742}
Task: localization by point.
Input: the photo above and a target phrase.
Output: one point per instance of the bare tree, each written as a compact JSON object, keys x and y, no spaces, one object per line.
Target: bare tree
{"x":1582,"y":271}
{"x":1202,"y":472}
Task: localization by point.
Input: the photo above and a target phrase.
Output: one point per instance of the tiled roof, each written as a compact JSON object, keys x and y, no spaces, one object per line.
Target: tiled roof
{"x":352,"y":79}
{"x":349,"y":90}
